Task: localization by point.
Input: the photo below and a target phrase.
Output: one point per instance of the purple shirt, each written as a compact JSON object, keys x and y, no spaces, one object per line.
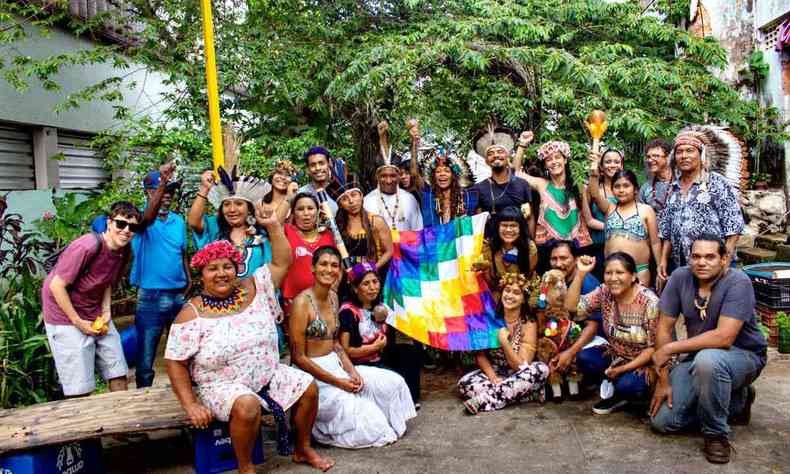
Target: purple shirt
{"x":87,"y":291}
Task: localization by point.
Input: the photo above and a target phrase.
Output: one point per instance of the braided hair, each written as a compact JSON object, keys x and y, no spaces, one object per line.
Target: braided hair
{"x":457,"y":205}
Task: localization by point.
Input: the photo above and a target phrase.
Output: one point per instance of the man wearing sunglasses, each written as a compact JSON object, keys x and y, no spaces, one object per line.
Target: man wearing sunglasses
{"x":77,"y":293}
{"x":158,"y":270}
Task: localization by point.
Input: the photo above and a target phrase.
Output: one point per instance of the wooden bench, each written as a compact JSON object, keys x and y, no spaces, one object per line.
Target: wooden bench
{"x":75,"y":419}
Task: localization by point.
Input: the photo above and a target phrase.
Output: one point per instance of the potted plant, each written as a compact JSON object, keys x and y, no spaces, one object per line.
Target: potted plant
{"x":783,"y":332}
{"x":759,"y":181}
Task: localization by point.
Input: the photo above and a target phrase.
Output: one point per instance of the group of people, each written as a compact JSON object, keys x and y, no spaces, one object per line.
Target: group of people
{"x":301,"y":270}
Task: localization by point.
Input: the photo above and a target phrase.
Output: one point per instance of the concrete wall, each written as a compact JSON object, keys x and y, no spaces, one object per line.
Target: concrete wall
{"x":36,"y":105}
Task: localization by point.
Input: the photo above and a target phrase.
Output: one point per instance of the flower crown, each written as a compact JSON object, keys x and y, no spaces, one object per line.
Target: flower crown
{"x":215,"y":251}
{"x":285,"y":167}
{"x":513,"y":279}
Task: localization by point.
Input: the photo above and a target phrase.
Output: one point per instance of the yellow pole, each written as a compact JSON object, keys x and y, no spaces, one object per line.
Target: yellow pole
{"x":213,"y":91}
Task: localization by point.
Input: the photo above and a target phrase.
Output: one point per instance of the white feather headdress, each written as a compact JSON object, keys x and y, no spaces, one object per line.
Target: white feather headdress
{"x":231,"y":186}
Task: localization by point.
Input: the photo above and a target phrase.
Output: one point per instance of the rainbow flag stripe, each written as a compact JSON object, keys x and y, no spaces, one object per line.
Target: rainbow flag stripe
{"x":434,"y":296}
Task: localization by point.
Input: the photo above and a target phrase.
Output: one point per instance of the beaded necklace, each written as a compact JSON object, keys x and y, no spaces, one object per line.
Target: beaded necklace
{"x":228,"y":305}
{"x":394,"y":214}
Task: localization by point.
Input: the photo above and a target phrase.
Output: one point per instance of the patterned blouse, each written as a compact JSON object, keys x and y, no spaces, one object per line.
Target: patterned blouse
{"x":560,"y":219}
{"x":711,"y":207}
{"x":629,"y":328}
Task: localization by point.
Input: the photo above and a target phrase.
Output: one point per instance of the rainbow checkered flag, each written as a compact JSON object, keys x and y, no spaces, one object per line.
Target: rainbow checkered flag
{"x":435,"y":297}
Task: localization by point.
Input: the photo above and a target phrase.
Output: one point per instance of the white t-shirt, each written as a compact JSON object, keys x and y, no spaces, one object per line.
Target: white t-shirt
{"x":401,"y":207}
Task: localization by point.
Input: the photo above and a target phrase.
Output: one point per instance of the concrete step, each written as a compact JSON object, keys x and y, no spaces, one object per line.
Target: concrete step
{"x":770,"y":241}
{"x":756,"y":255}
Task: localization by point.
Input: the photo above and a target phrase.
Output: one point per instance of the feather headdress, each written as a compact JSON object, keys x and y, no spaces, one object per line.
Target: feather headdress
{"x":232,"y":186}
{"x":721,"y":152}
{"x":485,"y":139}
{"x":494,"y":136}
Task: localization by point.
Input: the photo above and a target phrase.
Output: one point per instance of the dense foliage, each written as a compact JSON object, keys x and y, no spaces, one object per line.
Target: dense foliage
{"x":299,"y":72}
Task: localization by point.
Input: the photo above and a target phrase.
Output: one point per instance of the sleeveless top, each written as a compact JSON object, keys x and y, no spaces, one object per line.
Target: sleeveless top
{"x":631,"y":227}
{"x":317,"y":327}
{"x":599,"y":236}
{"x":357,"y":244}
{"x":559,"y":218}
{"x":497,"y":356}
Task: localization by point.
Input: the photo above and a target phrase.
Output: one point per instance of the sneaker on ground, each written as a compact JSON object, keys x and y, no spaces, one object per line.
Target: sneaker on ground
{"x":608,"y":405}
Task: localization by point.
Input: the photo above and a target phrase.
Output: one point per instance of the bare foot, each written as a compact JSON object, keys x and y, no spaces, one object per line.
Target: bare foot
{"x":311,"y":457}
{"x":249,"y":469}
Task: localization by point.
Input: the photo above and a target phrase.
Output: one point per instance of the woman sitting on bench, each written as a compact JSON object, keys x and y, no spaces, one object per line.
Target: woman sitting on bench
{"x":225,"y":342}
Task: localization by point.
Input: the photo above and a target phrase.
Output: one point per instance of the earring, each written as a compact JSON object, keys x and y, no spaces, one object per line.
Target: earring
{"x":250,"y":220}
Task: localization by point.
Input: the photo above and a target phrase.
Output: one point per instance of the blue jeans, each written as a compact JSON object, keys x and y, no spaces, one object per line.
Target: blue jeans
{"x":592,"y":363}
{"x":707,"y":389}
{"x":156,"y":309}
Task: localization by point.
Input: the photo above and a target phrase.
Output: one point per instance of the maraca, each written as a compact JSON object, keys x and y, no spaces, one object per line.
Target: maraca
{"x":596,"y":124}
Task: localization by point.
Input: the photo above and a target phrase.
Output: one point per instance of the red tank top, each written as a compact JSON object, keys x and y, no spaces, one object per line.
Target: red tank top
{"x":300,"y":275}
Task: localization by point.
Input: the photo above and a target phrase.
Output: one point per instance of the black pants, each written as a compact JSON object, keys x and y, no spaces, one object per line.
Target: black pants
{"x":407,"y":360}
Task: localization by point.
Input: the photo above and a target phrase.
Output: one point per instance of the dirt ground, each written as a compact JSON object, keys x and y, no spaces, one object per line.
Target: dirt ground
{"x":550,"y":438}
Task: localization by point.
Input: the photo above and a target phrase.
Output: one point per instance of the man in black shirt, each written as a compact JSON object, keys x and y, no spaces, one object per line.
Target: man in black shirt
{"x":503,"y":189}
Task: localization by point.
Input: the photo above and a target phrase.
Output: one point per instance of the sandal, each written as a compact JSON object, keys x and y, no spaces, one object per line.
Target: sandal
{"x":472,"y":406}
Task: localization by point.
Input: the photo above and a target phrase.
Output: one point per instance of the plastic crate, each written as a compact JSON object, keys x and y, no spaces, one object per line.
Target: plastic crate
{"x":771,"y":288}
{"x":83,"y":457}
{"x":767,"y":316}
{"x":214,"y":451}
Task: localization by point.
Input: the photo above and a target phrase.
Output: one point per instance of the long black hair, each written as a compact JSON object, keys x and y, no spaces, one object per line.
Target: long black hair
{"x":525,"y":314}
{"x":457,"y":205}
{"x":629,"y":176}
{"x":342,"y":218}
{"x":627,"y":260}
{"x":571,"y":191}
{"x":354,"y":299}
{"x":222,"y":223}
{"x":512,"y":214}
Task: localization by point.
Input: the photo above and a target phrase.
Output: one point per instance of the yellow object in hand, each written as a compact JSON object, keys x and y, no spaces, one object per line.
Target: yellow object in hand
{"x":596,"y":124}
{"x":99,"y":325}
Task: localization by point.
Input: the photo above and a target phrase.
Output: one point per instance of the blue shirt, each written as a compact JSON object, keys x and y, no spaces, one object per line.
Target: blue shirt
{"x":589,"y":284}
{"x":159,"y":254}
{"x":256,"y":253}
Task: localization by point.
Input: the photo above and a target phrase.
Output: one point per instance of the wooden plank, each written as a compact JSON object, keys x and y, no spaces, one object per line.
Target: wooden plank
{"x":132,"y":411}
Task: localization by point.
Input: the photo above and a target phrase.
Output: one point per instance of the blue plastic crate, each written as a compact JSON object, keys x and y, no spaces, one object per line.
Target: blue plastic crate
{"x":769,"y":289}
{"x":214,"y":452}
{"x":83,"y":457}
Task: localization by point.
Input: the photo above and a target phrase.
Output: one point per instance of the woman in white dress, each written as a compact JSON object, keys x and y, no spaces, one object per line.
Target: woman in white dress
{"x":358,"y":407}
{"x":222,"y":356}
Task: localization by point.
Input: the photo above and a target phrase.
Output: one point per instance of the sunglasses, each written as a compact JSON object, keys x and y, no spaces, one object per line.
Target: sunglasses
{"x":121,"y":224}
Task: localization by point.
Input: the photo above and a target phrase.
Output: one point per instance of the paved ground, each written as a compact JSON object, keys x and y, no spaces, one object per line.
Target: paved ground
{"x":553,"y":438}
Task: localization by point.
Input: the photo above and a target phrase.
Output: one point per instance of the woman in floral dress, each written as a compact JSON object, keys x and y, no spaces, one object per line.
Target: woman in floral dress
{"x":509,"y":374}
{"x":224,"y":342}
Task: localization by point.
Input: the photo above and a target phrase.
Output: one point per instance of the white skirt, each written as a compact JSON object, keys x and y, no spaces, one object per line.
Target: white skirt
{"x":376,"y":416}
